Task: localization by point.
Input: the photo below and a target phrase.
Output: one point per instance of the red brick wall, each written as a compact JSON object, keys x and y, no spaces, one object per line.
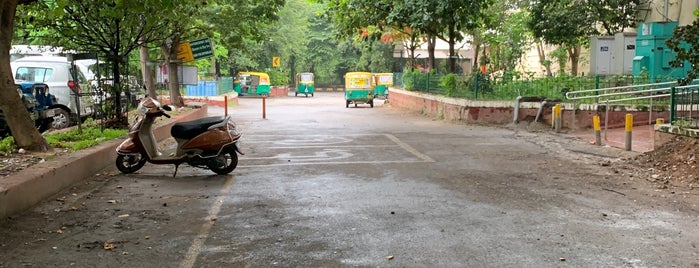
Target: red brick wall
{"x":499,"y":112}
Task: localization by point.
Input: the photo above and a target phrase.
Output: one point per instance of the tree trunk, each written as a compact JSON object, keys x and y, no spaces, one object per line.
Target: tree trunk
{"x":174,"y":85}
{"x":574,"y":55}
{"x":292,"y":71}
{"x":25,"y":134}
{"x":411,"y":45}
{"x":452,"y":56}
{"x":173,"y":82}
{"x":476,"y":54}
{"x":542,"y":58}
{"x":431,"y":43}
{"x":146,"y":72}
{"x":452,"y":51}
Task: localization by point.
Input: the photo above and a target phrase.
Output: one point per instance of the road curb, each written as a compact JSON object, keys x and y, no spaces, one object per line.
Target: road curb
{"x":25,"y":189}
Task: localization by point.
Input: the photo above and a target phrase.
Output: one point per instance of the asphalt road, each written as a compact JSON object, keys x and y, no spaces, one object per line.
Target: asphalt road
{"x":322,"y":185}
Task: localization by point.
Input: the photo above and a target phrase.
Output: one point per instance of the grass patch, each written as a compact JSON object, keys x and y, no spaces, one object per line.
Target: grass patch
{"x":7,"y":145}
{"x":75,"y":140}
{"x":91,"y":135}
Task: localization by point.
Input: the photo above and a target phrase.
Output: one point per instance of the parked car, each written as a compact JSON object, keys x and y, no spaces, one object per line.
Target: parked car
{"x":73,"y":96}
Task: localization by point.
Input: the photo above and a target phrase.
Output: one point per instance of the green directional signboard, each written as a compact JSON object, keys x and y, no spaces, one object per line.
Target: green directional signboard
{"x":201,"y":48}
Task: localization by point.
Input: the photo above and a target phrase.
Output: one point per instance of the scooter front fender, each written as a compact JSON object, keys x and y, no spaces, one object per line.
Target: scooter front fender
{"x":127,"y":147}
{"x":236,"y":147}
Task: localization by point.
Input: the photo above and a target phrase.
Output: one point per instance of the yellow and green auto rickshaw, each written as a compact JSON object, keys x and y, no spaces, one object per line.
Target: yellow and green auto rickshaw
{"x":381,"y":83}
{"x":304,"y":84}
{"x":358,"y":89}
{"x":252,"y":83}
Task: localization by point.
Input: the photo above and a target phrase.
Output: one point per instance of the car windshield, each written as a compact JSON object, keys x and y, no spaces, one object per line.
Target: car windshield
{"x":33,"y":74}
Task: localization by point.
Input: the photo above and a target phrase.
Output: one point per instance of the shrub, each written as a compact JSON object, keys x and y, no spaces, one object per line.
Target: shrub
{"x":409,"y":80}
{"x":7,"y":145}
{"x":450,"y":84}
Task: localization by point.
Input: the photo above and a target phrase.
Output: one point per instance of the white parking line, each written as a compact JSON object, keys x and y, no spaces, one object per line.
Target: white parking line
{"x":195,"y":248}
{"x":410,"y":148}
{"x":336,"y":150}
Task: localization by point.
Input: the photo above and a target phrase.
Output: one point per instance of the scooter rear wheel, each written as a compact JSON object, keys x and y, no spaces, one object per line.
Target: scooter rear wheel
{"x":224,"y":163}
{"x":129,"y":163}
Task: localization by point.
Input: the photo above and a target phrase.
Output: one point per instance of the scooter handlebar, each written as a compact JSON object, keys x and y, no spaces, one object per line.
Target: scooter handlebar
{"x":165,"y":108}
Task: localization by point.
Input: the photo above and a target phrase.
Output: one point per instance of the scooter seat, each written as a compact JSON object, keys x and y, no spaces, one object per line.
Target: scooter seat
{"x":190,"y":129}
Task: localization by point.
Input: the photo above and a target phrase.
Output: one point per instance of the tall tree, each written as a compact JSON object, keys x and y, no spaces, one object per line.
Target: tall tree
{"x":569,"y":23}
{"x":25,"y":134}
{"x":509,"y":38}
{"x":448,"y":20}
{"x":564,"y":23}
{"x":614,"y":16}
{"x":685,"y":41}
{"x":112,"y":29}
{"x":242,"y":27}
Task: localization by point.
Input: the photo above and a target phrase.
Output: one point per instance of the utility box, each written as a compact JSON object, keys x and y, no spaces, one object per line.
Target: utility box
{"x":624,"y":52}
{"x":612,"y":55}
{"x":601,"y":59}
{"x":653,"y":57}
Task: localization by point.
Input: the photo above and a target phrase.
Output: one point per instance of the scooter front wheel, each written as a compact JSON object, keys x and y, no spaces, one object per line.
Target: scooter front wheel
{"x":130,"y":163}
{"x":224,"y":163}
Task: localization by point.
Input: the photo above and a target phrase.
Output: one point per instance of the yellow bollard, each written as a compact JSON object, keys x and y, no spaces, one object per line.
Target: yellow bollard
{"x":557,"y":114}
{"x":629,"y":127}
{"x":598,"y":130}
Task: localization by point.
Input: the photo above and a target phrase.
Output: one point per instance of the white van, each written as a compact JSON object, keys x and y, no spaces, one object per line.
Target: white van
{"x":56,"y":73}
{"x":20,"y":51}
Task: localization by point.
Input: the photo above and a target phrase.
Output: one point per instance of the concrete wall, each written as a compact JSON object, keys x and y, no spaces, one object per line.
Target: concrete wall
{"x":279,"y":91}
{"x":671,"y":10}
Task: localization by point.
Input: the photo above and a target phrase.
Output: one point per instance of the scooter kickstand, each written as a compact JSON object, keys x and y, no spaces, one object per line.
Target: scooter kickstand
{"x":175,"y":174}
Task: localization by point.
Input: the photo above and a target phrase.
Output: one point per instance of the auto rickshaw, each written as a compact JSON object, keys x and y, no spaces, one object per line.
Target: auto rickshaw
{"x":358,"y":89}
{"x":381,"y":83}
{"x":304,"y":84}
{"x":252,"y":83}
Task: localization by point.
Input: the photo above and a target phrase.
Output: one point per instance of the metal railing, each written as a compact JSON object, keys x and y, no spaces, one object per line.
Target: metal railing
{"x":682,"y":101}
{"x":684,"y":107}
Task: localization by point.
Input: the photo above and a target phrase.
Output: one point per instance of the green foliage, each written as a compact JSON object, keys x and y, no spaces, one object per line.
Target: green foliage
{"x":409,"y":79}
{"x":7,"y":145}
{"x":560,"y":55}
{"x":450,"y":83}
{"x":509,"y":40}
{"x":75,"y":140}
{"x":278,"y":77}
{"x":443,"y":19}
{"x":376,"y":57}
{"x":685,"y":41}
{"x":570,"y":22}
{"x":479,"y":84}
{"x":614,"y":16}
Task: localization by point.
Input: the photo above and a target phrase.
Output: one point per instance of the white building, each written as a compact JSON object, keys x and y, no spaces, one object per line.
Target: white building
{"x":463,"y":50}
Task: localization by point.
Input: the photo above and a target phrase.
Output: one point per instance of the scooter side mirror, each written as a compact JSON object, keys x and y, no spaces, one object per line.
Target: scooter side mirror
{"x":167,"y":108}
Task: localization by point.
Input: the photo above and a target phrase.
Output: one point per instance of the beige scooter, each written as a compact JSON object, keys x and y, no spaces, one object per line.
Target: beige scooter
{"x":209,"y":142}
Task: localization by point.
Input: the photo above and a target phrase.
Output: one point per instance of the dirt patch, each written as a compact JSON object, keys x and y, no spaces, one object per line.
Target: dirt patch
{"x":20,"y":160}
{"x":673,"y":164}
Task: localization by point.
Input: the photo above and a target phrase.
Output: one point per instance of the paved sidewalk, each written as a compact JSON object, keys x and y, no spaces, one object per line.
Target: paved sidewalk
{"x":642,"y":137}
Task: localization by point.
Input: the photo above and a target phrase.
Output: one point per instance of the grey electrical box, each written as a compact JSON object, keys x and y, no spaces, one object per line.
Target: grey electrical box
{"x":624,"y":52}
{"x":612,"y":55}
{"x":601,"y":50}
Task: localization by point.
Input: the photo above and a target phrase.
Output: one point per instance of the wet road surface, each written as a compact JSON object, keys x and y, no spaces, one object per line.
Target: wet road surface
{"x":322,"y":185}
